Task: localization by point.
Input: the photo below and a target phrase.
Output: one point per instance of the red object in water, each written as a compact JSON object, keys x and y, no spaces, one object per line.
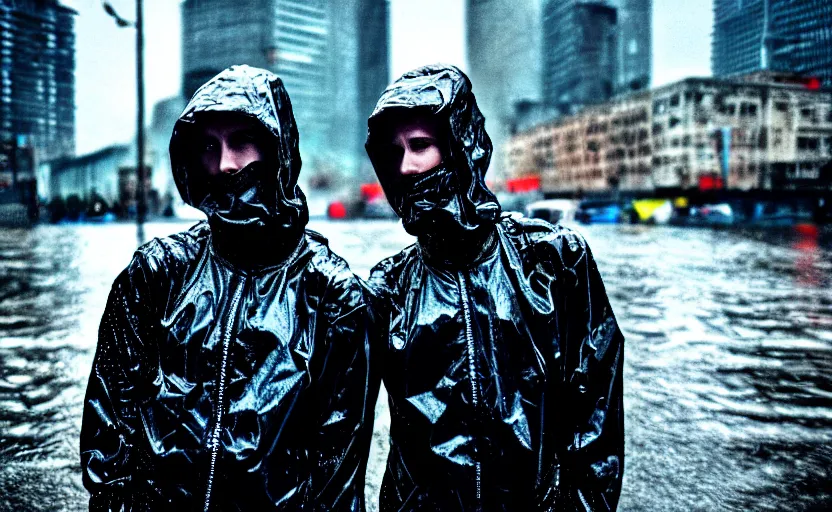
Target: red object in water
{"x":336,"y":210}
{"x":710,"y":182}
{"x":813,"y":83}
{"x":370,"y":191}
{"x":527,"y":184}
{"x":807,"y":230}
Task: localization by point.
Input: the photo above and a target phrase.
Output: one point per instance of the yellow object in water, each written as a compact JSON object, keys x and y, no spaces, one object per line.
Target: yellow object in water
{"x":645,"y":208}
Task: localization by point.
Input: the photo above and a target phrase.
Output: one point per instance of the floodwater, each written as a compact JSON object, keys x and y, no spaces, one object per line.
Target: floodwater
{"x":728,"y":383}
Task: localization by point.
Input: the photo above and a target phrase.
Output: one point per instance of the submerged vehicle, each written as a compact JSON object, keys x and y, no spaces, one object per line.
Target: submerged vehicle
{"x":598,"y":212}
{"x":651,"y":211}
{"x":552,"y":210}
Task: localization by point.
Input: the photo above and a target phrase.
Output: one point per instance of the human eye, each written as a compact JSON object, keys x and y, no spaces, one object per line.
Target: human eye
{"x":421,"y":143}
{"x":243,"y":138}
{"x":208,"y":145}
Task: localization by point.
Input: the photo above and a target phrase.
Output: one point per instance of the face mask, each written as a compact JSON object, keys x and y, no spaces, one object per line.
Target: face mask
{"x":429,"y":201}
{"x":245,"y":198}
{"x":247,"y":226}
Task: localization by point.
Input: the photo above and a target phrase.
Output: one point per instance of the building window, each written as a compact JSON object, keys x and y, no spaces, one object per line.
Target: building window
{"x":808,"y":143}
{"x":781,"y":106}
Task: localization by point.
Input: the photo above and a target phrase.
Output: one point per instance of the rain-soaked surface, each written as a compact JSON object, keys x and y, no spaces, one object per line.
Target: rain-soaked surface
{"x":728,"y":383}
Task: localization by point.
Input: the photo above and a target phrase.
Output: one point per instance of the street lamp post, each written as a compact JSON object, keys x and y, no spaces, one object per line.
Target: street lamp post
{"x":141,"y":194}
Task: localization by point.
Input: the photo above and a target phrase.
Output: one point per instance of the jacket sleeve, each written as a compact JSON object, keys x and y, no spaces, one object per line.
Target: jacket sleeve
{"x":345,"y":396}
{"x":593,"y":458}
{"x":111,"y":457}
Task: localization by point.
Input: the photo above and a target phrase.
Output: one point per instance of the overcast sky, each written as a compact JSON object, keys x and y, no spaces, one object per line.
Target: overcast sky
{"x":423,"y":31}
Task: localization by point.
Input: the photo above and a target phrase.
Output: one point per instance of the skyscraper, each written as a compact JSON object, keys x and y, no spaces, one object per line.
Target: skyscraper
{"x":593,"y":50}
{"x":37,"y":76}
{"x":374,"y":66}
{"x":634,"y":45}
{"x":503,"y":45}
{"x":312,"y":45}
{"x":776,"y":35}
{"x":580,"y":53}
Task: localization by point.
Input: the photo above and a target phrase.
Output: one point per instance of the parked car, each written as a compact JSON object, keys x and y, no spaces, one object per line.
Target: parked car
{"x":720,"y":214}
{"x":552,"y":210}
{"x":515,"y":203}
{"x":598,"y":212}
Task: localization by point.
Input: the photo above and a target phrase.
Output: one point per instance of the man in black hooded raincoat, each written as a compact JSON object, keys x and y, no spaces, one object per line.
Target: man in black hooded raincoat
{"x":232,"y":363}
{"x":500,"y":352}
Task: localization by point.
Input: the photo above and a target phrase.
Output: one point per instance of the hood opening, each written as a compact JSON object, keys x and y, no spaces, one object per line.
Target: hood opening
{"x":444,"y":92}
{"x":259,"y":219}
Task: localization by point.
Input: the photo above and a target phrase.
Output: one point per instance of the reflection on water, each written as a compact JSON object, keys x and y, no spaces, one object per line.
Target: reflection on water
{"x":728,"y":358}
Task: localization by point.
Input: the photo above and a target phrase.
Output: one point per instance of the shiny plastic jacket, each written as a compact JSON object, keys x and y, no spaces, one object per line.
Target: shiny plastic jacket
{"x":499,"y":350}
{"x":225,"y":381}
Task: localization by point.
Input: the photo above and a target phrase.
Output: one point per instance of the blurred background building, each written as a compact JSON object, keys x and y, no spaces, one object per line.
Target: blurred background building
{"x":634,"y":43}
{"x":504,"y":62}
{"x":37,"y":97}
{"x":777,"y":35}
{"x":37,"y":77}
{"x":594,"y":50}
{"x":758,"y":132}
{"x":374,"y":63}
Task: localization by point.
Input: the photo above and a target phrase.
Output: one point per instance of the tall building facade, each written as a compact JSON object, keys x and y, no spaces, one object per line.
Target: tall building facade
{"x":504,"y":61}
{"x":374,"y":66}
{"x":593,"y":50}
{"x":312,"y":45}
{"x":634,"y":45}
{"x":777,"y":35}
{"x":37,"y":77}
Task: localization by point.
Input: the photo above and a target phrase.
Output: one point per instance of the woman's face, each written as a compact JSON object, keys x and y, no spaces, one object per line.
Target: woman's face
{"x":229,"y":143}
{"x":415,"y":145}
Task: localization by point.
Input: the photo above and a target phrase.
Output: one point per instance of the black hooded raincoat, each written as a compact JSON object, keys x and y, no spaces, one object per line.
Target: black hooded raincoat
{"x":500,"y":352}
{"x":232,"y":363}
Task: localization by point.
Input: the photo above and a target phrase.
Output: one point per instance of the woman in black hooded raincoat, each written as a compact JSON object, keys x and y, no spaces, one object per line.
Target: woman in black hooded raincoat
{"x":232,"y":363}
{"x":499,"y":349}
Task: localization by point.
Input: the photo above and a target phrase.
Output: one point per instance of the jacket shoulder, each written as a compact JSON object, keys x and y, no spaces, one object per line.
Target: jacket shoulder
{"x":545,"y":240}
{"x":325,"y":261}
{"x":385,"y":275}
{"x":167,"y":255}
{"x":341,"y":291}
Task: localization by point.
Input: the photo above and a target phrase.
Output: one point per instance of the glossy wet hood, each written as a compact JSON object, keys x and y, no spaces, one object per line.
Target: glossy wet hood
{"x":264,"y":207}
{"x":456,"y":194}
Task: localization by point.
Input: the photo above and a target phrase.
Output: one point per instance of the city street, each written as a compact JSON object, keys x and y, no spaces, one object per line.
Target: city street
{"x":728,"y":383}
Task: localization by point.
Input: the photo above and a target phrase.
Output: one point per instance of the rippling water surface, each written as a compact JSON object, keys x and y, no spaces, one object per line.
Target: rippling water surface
{"x":728,"y":383}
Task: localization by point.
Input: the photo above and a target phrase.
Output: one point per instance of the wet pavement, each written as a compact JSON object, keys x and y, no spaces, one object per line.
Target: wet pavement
{"x":728,"y":383}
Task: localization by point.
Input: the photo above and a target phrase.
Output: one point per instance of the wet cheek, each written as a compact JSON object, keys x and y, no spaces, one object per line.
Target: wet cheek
{"x":253,"y":155}
{"x":434,"y":158}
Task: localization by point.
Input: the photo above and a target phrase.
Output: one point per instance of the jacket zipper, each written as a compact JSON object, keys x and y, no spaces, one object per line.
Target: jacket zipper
{"x":583,"y":499}
{"x":472,"y":371}
{"x":214,"y":443}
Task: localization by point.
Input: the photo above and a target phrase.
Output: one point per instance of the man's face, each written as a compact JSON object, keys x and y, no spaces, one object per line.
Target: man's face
{"x":415,"y":145}
{"x":229,"y":142}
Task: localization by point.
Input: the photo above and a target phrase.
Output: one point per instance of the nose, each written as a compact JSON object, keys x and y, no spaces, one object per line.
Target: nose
{"x":228,"y":161}
{"x":409,"y":163}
